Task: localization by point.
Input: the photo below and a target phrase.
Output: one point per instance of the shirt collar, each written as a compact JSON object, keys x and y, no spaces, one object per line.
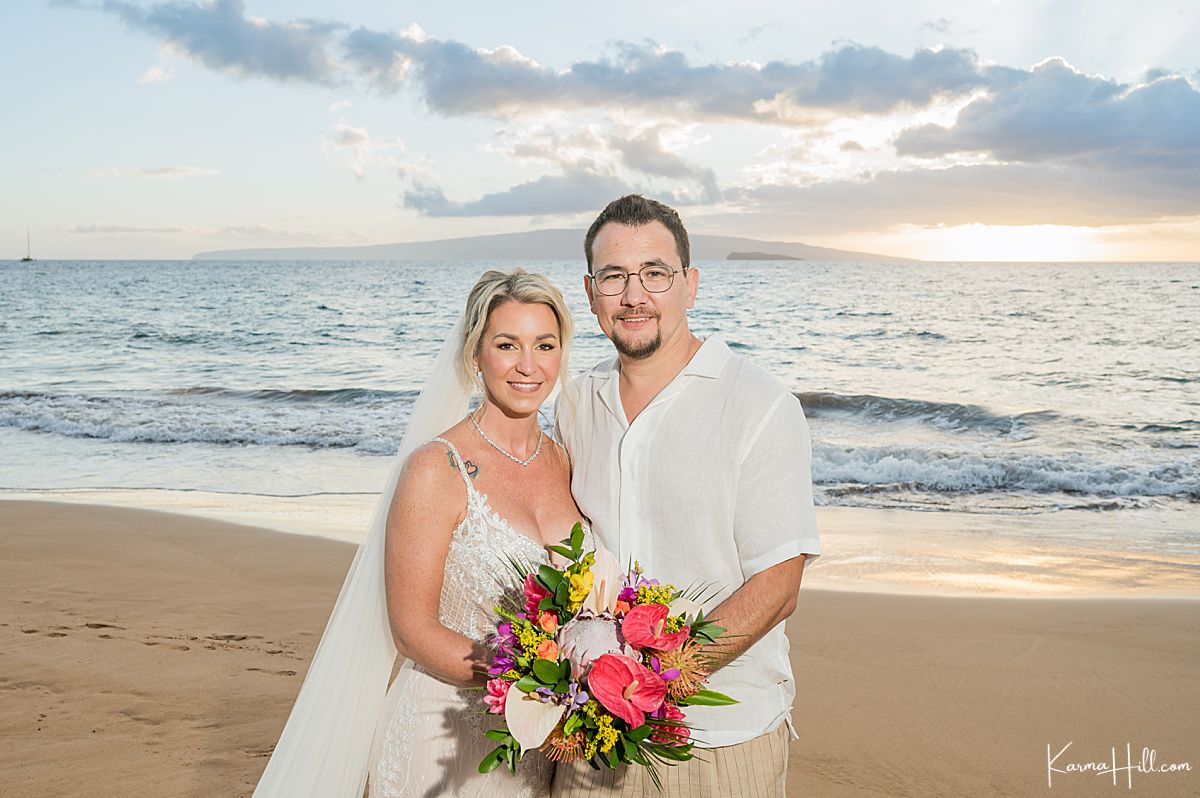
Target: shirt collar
{"x":709,"y":361}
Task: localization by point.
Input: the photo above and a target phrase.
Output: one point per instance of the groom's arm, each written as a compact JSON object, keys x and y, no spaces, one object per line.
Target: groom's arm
{"x":767,"y":599}
{"x":774,"y":528}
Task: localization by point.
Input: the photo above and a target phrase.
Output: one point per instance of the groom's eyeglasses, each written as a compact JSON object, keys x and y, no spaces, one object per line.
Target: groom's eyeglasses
{"x":655,"y":278}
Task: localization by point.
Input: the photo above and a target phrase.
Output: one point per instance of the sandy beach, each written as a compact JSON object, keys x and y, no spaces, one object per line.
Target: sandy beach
{"x":147,"y":653}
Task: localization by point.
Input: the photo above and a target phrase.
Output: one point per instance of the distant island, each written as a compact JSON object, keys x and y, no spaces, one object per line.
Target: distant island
{"x":564,"y":244}
{"x":759,"y":256}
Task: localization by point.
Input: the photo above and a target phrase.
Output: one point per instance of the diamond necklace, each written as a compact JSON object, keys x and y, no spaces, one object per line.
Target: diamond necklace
{"x":503,"y":451}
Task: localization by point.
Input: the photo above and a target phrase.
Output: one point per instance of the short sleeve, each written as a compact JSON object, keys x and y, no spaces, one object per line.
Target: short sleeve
{"x":564,"y":412}
{"x":774,"y":517}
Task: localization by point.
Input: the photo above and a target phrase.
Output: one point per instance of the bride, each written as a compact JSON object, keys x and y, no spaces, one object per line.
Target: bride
{"x":457,"y":507}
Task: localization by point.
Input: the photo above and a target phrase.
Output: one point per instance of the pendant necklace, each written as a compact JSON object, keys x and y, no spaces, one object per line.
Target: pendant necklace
{"x":501,"y":449}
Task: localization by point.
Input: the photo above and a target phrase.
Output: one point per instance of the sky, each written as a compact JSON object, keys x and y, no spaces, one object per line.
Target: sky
{"x":994,"y":130}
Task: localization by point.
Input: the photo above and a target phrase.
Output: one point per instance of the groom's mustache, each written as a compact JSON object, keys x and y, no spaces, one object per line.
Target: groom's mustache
{"x":637,"y":314}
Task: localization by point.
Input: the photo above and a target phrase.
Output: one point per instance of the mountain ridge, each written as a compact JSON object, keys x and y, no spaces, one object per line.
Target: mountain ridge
{"x":552,"y":244}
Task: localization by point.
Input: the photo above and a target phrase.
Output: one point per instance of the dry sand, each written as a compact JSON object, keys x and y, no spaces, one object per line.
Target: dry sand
{"x":149,"y":654}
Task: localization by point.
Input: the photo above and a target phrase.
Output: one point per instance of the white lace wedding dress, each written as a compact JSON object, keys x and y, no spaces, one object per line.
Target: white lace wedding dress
{"x":432,"y":743}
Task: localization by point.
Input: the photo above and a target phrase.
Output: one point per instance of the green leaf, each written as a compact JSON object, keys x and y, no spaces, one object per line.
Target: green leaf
{"x":627,"y":748}
{"x":493,"y":760}
{"x":527,"y":684}
{"x":708,"y":698}
{"x":512,"y":759}
{"x":639,"y":756}
{"x":562,"y":593}
{"x":546,"y":671}
{"x":577,"y":536}
{"x":640,"y":733}
{"x":497,"y":734}
{"x":549,"y":577}
{"x":573,"y":723}
{"x":613,"y":758}
{"x":563,"y":550}
{"x":562,"y":686}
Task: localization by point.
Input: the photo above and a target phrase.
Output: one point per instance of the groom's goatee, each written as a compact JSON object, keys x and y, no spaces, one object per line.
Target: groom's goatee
{"x":639,"y":351}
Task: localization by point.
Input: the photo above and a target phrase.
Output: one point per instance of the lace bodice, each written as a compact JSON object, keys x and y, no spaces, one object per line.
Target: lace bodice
{"x":478,"y":564}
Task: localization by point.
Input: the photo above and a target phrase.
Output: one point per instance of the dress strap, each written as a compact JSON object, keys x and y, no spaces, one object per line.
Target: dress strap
{"x":462,"y":469}
{"x":567,"y":452}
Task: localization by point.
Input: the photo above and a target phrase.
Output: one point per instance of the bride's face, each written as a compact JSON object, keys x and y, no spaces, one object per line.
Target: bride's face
{"x":520,"y":354}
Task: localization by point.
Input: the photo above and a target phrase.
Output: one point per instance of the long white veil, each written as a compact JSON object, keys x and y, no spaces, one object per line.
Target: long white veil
{"x":325,"y":748}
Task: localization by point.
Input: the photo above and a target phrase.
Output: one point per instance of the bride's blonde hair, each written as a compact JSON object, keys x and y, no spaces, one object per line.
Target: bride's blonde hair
{"x":493,"y":289}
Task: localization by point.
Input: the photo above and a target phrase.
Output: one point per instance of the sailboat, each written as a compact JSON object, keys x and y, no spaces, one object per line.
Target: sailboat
{"x":28,"y":253}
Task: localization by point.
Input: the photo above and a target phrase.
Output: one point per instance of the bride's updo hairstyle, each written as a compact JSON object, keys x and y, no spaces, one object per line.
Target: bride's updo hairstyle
{"x":493,"y":289}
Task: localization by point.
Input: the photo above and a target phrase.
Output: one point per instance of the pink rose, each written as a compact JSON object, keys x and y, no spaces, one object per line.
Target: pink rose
{"x":497,"y":691}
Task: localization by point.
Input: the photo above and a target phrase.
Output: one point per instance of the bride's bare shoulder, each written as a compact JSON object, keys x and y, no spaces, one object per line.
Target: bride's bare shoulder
{"x":432,"y":464}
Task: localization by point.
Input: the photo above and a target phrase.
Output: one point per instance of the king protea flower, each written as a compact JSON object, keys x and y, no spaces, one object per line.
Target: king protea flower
{"x":588,"y":636}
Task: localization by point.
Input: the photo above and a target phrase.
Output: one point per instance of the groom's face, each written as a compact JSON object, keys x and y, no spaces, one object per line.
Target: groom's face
{"x":637,"y":321}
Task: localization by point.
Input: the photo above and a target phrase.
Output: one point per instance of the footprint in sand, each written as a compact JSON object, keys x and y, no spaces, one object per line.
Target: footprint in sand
{"x":273,"y":673}
{"x":97,"y":625}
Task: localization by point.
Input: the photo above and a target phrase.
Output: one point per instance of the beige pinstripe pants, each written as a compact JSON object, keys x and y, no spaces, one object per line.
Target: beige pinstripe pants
{"x":753,"y":769}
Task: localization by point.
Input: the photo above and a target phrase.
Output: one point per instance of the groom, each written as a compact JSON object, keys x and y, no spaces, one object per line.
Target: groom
{"x":696,"y":462}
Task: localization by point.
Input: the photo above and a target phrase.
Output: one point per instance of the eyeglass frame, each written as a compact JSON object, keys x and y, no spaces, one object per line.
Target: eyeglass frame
{"x":641,"y":281}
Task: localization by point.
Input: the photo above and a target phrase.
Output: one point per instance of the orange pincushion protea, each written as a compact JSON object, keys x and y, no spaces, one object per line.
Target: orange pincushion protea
{"x":564,"y":748}
{"x":693,"y":667}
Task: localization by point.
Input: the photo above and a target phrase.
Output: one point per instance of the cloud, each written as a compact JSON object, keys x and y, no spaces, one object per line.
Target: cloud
{"x":644,"y":153}
{"x":219,"y":35}
{"x":164,"y":171}
{"x":97,"y":228}
{"x":156,"y":74}
{"x":458,"y":80}
{"x":1056,"y":113}
{"x":572,"y":191}
{"x":361,"y":151}
{"x":1001,"y":194}
{"x":939,"y":25}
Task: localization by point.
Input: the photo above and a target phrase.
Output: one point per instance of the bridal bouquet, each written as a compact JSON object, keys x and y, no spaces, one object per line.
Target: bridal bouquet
{"x":598,"y":664}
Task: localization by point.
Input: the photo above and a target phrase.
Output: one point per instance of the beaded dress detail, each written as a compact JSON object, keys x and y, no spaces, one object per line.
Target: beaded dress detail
{"x":431,"y":740}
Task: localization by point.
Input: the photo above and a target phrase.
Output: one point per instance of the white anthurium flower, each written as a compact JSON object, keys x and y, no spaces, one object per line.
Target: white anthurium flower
{"x":529,"y":720}
{"x":607,"y":579}
{"x":684,"y":606}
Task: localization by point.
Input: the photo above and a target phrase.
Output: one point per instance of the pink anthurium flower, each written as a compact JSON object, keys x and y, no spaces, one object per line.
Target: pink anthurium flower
{"x":643,"y":628}
{"x":626,"y":688}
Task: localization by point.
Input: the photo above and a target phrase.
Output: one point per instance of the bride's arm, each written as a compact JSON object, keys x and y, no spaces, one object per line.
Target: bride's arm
{"x":427,"y":506}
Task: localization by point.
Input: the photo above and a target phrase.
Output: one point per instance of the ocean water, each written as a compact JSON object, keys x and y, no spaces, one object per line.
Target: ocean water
{"x":983,"y":388}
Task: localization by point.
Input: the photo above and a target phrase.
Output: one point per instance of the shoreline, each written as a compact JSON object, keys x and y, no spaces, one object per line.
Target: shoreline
{"x":1067,"y":554}
{"x":157,"y":653}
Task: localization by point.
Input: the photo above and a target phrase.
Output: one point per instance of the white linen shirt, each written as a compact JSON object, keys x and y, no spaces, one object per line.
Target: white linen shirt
{"x":710,"y":484}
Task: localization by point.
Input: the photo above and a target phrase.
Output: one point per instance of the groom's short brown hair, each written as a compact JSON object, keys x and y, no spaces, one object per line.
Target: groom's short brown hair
{"x":634,"y":210}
